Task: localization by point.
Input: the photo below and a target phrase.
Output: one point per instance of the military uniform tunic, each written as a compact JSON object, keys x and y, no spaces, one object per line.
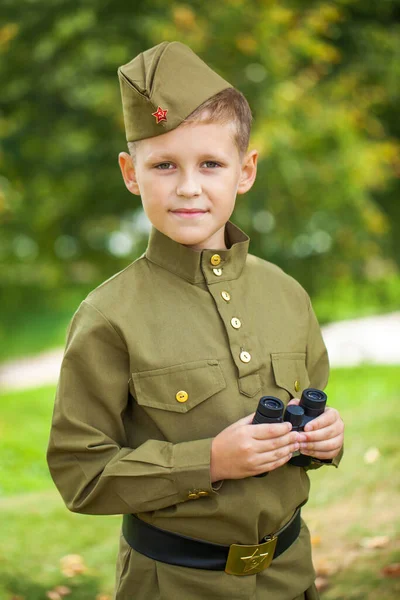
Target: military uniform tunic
{"x":159,"y":359}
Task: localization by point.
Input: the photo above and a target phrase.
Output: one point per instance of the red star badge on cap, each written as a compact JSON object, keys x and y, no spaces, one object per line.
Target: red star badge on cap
{"x":160,"y":114}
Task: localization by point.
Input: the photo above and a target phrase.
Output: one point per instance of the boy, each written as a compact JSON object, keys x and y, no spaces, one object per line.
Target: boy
{"x":165,"y":363}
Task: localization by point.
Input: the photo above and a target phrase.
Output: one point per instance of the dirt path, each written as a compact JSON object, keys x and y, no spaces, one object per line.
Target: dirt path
{"x":373,"y":340}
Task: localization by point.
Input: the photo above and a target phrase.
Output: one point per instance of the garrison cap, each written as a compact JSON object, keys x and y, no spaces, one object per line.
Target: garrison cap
{"x":162,"y":86}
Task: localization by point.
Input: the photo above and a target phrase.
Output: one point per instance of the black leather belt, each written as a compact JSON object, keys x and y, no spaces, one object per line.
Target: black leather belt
{"x":184,"y":551}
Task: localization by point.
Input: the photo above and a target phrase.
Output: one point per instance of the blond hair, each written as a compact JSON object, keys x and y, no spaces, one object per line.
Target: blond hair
{"x":228,"y":106}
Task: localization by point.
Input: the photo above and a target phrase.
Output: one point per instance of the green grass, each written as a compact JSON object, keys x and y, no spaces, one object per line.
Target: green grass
{"x":36,"y":528}
{"x":360,"y":500}
{"x":24,"y":429}
{"x":37,"y":531}
{"x":346,"y":504}
{"x":363,"y":579}
{"x":368,"y":401}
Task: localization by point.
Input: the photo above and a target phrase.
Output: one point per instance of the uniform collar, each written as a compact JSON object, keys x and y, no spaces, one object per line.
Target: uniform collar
{"x":197,"y":266}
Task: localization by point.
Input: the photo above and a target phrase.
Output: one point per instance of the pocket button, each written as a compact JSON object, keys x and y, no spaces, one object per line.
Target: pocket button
{"x":182,"y":396}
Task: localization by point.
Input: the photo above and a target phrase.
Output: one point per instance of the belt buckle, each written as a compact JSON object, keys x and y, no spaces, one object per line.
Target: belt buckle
{"x":248,"y":560}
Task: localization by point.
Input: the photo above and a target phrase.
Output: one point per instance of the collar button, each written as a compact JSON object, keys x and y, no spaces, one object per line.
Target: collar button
{"x":215,"y":260}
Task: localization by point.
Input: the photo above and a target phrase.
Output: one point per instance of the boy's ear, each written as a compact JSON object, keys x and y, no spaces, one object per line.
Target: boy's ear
{"x":248,"y":172}
{"x":128,"y":172}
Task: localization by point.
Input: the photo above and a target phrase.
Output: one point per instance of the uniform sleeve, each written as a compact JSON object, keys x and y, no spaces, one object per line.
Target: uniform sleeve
{"x":318,"y":371}
{"x":90,"y":463}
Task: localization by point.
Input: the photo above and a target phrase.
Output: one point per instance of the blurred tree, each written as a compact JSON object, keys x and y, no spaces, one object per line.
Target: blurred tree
{"x":321,"y":78}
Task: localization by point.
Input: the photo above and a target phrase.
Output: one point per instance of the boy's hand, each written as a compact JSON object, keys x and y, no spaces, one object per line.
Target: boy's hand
{"x":322,"y":437}
{"x":244,"y":450}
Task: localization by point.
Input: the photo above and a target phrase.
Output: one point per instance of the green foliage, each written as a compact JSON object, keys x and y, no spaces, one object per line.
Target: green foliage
{"x":321,"y":78}
{"x":37,"y":318}
{"x":349,"y":300}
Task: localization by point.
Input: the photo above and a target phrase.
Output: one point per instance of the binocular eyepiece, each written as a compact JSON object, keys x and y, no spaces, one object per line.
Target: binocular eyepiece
{"x":272,"y":410}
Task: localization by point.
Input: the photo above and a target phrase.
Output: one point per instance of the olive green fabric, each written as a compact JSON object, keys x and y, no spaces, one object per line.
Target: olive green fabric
{"x":121,"y":442}
{"x":170,"y":76}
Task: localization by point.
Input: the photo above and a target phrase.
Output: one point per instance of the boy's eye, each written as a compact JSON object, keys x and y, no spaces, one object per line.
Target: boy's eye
{"x":211,"y":162}
{"x":163,"y":166}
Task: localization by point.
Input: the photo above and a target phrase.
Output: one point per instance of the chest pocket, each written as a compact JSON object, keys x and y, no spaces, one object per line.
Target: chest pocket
{"x":178,"y":388}
{"x":290,"y":372}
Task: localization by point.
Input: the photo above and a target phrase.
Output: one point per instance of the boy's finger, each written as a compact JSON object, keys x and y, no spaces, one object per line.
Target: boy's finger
{"x":271,"y":466}
{"x":323,"y":446}
{"x":272,"y":444}
{"x":294,"y":401}
{"x":324,"y":452}
{"x":265,"y":431}
{"x":327,"y":418}
{"x":319,"y":434}
{"x":246,"y":420}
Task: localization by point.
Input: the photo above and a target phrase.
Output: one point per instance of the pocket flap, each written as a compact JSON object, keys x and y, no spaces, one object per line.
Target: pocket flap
{"x":290,"y":372}
{"x":192,"y":382}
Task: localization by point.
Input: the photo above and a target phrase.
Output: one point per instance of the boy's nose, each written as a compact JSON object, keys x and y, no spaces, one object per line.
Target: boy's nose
{"x":188,"y":187}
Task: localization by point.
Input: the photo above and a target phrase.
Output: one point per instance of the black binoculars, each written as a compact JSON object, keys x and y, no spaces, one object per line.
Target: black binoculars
{"x":272,"y":410}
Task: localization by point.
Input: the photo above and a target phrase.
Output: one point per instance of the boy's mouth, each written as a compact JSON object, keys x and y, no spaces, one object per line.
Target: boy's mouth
{"x":189,"y":212}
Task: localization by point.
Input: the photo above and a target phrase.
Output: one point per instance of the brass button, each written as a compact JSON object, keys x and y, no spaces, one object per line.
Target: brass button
{"x":217,"y":272}
{"x":182,"y":396}
{"x":235,"y":322}
{"x":202,"y":493}
{"x":193,"y":496}
{"x":226,"y":296}
{"x":245,"y":356}
{"x":296,"y":385}
{"x":215,"y":260}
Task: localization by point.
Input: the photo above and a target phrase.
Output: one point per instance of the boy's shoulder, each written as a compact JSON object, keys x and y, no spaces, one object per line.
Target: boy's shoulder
{"x":123,"y":284}
{"x":275,"y":277}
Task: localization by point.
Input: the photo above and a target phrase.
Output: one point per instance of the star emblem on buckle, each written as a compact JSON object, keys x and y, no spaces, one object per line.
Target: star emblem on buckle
{"x":254,"y":561}
{"x":250,"y":559}
{"x":160,"y":114}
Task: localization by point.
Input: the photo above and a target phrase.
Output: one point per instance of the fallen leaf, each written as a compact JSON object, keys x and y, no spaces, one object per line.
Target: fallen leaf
{"x":316,"y":540}
{"x":63,"y":590}
{"x":52,"y":595}
{"x":321,"y":583}
{"x":392,"y":570}
{"x":72,"y":564}
{"x":324,"y":567}
{"x":371,"y":456}
{"x":380,"y":541}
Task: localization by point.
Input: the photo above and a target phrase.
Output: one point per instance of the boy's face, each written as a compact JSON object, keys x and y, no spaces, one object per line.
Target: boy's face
{"x":188,"y":179}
